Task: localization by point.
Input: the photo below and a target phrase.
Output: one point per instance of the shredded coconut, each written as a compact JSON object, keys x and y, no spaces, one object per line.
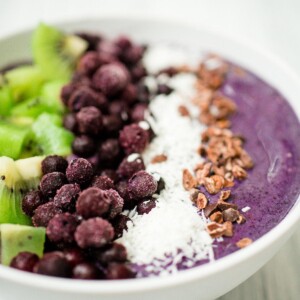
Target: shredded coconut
{"x":144,"y":125}
{"x":173,"y":233}
{"x":132,"y":157}
{"x":160,"y":57}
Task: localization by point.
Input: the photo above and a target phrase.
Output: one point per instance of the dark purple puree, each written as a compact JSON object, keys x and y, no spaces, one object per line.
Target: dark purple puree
{"x":272,"y":134}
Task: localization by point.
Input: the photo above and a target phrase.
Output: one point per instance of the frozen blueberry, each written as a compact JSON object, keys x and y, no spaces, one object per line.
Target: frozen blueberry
{"x":109,"y":173}
{"x":44,"y":213}
{"x":112,"y":124}
{"x":54,"y":163}
{"x":84,"y":96}
{"x":79,"y":171}
{"x":61,"y":228}
{"x":111,"y":78}
{"x":129,"y":94}
{"x":119,"y":108}
{"x":83,"y":146}
{"x":94,"y":160}
{"x":108,"y":47}
{"x":138,"y":72}
{"x":117,"y":203}
{"x":145,"y":207}
{"x":122,"y":188}
{"x":89,"y":120}
{"x":89,"y":63}
{"x":109,"y":151}
{"x":130,"y":165}
{"x":113,"y":253}
{"x":142,"y":185}
{"x":74,"y":256}
{"x":70,"y":122}
{"x":143,"y":93}
{"x":66,"y":92}
{"x":85,"y":270}
{"x":80,"y":79}
{"x":53,"y":264}
{"x":132,"y":54}
{"x":93,"y":202}
{"x":31,"y":201}
{"x":24,"y":261}
{"x":123,"y":42}
{"x":103,"y":183}
{"x":51,"y":182}
{"x":94,"y":233}
{"x":134,"y":139}
{"x":119,"y":271}
{"x":138,"y":112}
{"x":164,"y":89}
{"x":120,"y":224}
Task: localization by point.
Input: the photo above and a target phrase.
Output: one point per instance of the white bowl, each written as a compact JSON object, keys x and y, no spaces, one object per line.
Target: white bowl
{"x":205,"y":282}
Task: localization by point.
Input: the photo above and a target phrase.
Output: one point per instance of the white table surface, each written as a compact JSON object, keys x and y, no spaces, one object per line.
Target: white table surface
{"x":273,"y":24}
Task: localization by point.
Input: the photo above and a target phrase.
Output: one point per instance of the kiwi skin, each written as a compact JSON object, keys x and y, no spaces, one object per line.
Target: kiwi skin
{"x":50,"y":136}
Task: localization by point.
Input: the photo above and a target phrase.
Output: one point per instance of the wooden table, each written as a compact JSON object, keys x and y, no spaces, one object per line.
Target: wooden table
{"x":279,"y":279}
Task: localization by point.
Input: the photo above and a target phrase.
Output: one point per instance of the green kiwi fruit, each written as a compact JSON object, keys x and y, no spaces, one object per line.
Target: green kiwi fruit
{"x":12,"y":186}
{"x":48,"y":101}
{"x":24,"y":82}
{"x":50,"y":96}
{"x":6,"y":102}
{"x":31,"y":108}
{"x":19,"y":238}
{"x":50,"y":136}
{"x":17,"y":177}
{"x":55,"y":52}
{"x":12,"y":139}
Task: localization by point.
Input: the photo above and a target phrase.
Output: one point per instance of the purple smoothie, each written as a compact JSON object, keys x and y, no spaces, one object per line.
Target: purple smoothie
{"x":272,"y":133}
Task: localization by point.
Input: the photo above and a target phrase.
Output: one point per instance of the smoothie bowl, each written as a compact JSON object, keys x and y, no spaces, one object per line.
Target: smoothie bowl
{"x":141,"y":150}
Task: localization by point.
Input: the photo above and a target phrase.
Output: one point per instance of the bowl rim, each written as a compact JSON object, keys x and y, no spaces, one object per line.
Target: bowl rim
{"x":118,"y":287}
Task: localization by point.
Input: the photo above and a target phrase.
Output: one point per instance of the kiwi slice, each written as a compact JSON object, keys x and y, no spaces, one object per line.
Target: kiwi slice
{"x":50,"y":96}
{"x":31,"y":108}
{"x":30,"y":170}
{"x":50,"y":136}
{"x":5,"y":101}
{"x":12,"y":186}
{"x":12,"y":139}
{"x":55,"y":52}
{"x":17,"y":177}
{"x":48,"y":101}
{"x":20,"y":238}
{"x":24,"y":82}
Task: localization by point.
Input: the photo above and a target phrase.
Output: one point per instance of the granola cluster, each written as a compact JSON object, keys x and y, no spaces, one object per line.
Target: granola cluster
{"x":225,"y":159}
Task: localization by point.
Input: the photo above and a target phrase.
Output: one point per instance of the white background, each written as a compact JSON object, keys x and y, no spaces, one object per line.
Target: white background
{"x":272,"y":24}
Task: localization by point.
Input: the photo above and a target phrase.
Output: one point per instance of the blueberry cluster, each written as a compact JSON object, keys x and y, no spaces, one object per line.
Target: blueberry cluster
{"x":106,"y":95}
{"x":82,"y":213}
{"x":80,"y":200}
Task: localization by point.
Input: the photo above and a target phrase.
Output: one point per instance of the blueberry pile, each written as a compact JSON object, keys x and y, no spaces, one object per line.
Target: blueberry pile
{"x":80,"y":199}
{"x":82,"y":213}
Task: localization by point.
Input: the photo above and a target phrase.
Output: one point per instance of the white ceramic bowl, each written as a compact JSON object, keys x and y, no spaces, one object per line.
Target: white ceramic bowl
{"x":205,"y":282}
